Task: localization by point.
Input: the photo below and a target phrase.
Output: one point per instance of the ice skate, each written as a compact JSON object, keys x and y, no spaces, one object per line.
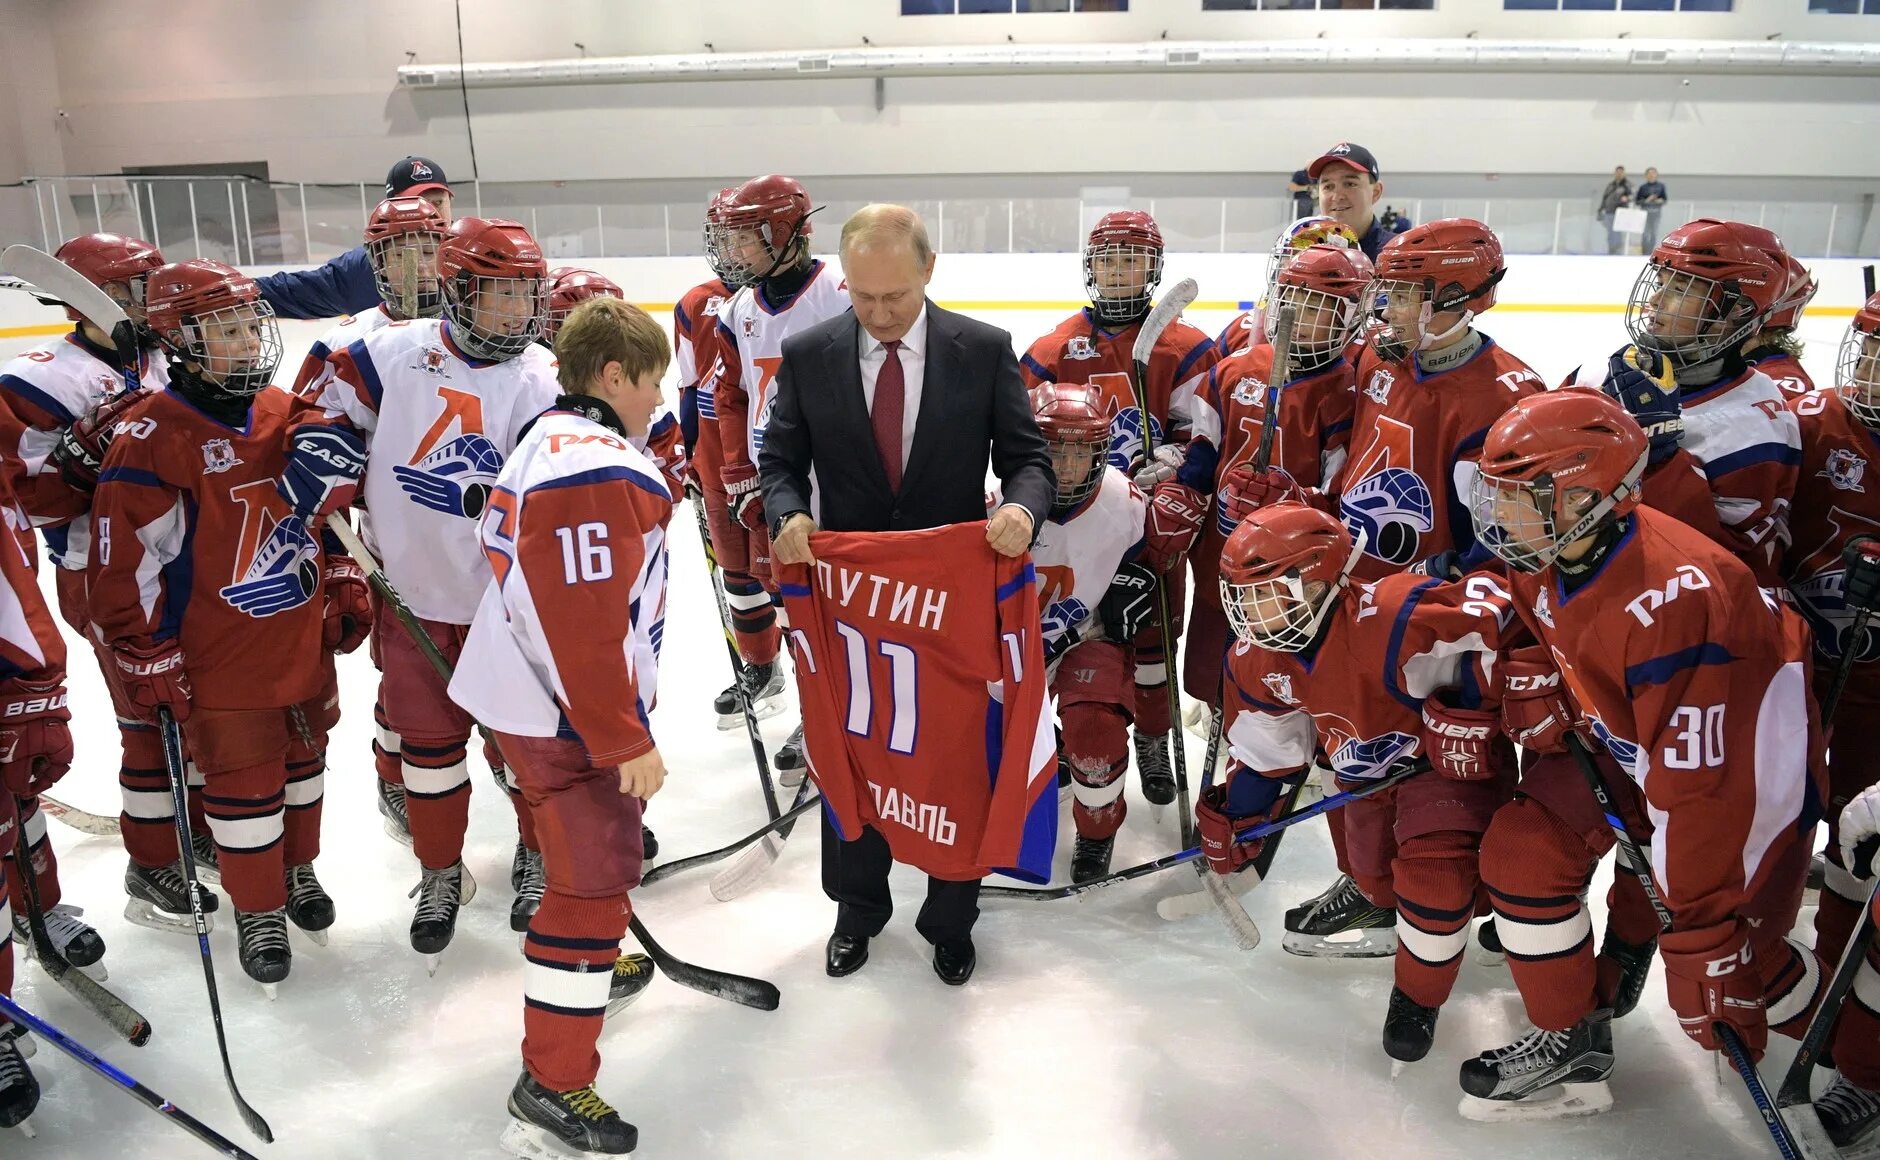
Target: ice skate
{"x":551,"y":1125}
{"x":19,"y":1091}
{"x":1152,"y":766}
{"x":308,"y":905}
{"x":1544,"y":1075}
{"x":632,"y":973}
{"x":530,"y":886}
{"x":1851,"y":1116}
{"x":440,"y":894}
{"x":72,"y":937}
{"x":1409,"y":1029}
{"x":1487,"y":950}
{"x":790,"y":764}
{"x":208,"y":859}
{"x":265,"y":954}
{"x":392,"y":809}
{"x":159,"y":899}
{"x":763,"y":684}
{"x":1090,"y":858}
{"x":1341,"y":924}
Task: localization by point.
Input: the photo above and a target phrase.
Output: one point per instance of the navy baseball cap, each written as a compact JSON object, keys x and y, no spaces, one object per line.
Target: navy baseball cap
{"x":414,"y":176}
{"x":1345,"y":153}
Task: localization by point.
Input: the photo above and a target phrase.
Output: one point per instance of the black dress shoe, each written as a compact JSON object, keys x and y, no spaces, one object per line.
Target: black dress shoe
{"x":954,"y":962}
{"x":845,"y":955}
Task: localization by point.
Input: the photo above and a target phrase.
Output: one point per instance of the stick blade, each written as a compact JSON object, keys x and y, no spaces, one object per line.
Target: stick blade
{"x":58,"y":280}
{"x":1811,"y":1138}
{"x":1240,"y":924}
{"x":1175,"y":299}
{"x":744,"y":873}
{"x":95,"y":825}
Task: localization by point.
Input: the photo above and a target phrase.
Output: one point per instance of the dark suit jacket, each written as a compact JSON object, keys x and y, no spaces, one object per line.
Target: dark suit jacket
{"x":973,"y":407}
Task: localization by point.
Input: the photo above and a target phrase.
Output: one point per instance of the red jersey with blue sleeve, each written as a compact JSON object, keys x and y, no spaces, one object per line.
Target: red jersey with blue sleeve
{"x":1079,"y":351}
{"x":1416,"y":438}
{"x":192,"y":541}
{"x":1315,"y":414}
{"x":921,"y":675}
{"x":694,"y":351}
{"x":1357,"y":697}
{"x":30,"y":644}
{"x":566,"y":639}
{"x":1835,"y":500}
{"x":1697,"y":683}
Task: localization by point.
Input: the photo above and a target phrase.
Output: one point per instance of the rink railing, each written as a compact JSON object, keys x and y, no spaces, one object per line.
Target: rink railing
{"x":248,"y":222}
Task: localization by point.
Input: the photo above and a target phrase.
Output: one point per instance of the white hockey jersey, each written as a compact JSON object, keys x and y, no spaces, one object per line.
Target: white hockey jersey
{"x":1077,"y":554}
{"x":42,"y":392}
{"x":739,"y":393}
{"x":567,"y":634}
{"x":438,"y":426}
{"x":345,"y":332}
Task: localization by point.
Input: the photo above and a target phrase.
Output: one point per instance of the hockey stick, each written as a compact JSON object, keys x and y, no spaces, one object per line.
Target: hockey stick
{"x":1278,"y":374}
{"x":1633,"y":858}
{"x":1160,"y":318}
{"x":119,"y":1015}
{"x":179,"y":799}
{"x":737,"y":673}
{"x":668,"y":869}
{"x":1866,"y":277}
{"x":42,"y":273}
{"x":737,"y":878}
{"x":1290,"y":818}
{"x":739,"y":989}
{"x":96,"y":825}
{"x":59,"y":1039}
{"x":736,"y":988}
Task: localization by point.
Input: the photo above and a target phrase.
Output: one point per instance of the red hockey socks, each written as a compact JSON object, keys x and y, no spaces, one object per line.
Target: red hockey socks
{"x":569,"y":956}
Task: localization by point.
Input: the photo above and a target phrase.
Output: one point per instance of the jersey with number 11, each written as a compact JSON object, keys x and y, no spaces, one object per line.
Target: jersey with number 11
{"x":921,"y":675}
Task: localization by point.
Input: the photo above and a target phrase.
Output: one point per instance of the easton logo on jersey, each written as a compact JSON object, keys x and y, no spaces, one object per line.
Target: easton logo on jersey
{"x":276,"y":562}
{"x":1844,"y":470}
{"x":453,"y":476}
{"x":1389,"y":505}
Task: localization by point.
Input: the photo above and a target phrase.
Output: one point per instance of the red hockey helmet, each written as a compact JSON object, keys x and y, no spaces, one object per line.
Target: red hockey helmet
{"x":1269,"y":565}
{"x":1122,"y":266}
{"x":762,"y":228}
{"x":1710,"y":285}
{"x":1448,"y":266}
{"x":112,"y":260}
{"x":495,"y":287}
{"x":569,"y":287}
{"x":1071,"y":418}
{"x":1326,"y":286}
{"x":1857,"y":370}
{"x":1797,"y":291}
{"x":732,"y":274}
{"x":402,"y":237}
{"x":1555,"y":467}
{"x":213,"y":316}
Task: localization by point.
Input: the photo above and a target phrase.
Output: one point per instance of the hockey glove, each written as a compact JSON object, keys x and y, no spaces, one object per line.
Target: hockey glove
{"x":323,"y":469}
{"x":1641,"y":381}
{"x":1710,"y":979}
{"x":35,"y":734}
{"x":1861,"y":586}
{"x":150,"y":673}
{"x":1129,"y":605}
{"x":1243,"y":490}
{"x":79,"y":453}
{"x":1444,"y":565}
{"x":745,"y":500}
{"x":1860,"y":834}
{"x":1162,"y":466}
{"x":348,"y":608}
{"x":1536,"y":712}
{"x":1457,"y":740}
{"x":1175,"y":515}
{"x":1219,"y":832}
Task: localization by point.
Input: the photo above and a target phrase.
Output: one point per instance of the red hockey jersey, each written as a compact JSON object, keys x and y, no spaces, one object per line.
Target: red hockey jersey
{"x":1835,"y":500}
{"x":1358,"y":697}
{"x":694,"y":350}
{"x":30,"y":644}
{"x":1079,"y":351}
{"x":920,"y":669}
{"x":192,"y":540}
{"x":1697,"y":683}
{"x":1787,"y":373}
{"x":1416,"y":438}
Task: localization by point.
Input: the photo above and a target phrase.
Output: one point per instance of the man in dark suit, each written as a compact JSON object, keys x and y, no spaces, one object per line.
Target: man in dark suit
{"x":898,"y":407}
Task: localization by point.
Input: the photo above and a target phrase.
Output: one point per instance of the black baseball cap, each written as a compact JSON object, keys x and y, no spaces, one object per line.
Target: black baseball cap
{"x":1344,"y":153}
{"x":414,"y":176}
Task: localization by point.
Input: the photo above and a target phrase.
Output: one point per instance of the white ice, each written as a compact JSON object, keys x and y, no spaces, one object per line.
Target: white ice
{"x":1092,"y":1029}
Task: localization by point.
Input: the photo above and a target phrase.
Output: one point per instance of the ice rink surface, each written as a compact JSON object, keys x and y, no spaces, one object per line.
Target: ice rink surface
{"x":1092,"y":1029}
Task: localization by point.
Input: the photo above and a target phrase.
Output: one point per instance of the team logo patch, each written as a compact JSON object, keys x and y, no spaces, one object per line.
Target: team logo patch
{"x":1378,"y":389}
{"x":1363,"y":758}
{"x":433,"y":360}
{"x":748,"y":326}
{"x":455,"y":479}
{"x":281,"y":574}
{"x":1249,"y":391}
{"x":1280,"y":685}
{"x":218,"y":455}
{"x":1080,"y":347}
{"x":1844,"y":470}
{"x":1543,"y":609}
{"x":1126,"y":437}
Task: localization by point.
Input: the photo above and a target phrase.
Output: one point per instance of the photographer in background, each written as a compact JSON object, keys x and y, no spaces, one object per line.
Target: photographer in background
{"x":1616,"y":196}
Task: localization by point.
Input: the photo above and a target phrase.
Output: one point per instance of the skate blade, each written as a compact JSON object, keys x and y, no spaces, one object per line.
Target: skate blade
{"x":1484,"y":957}
{"x":749,"y":867}
{"x":1811,"y":1137}
{"x":397,"y":834}
{"x":142,"y":913}
{"x":1357,"y":944}
{"x":430,"y":964}
{"x":272,"y":991}
{"x":763,"y":709}
{"x":208,"y":875}
{"x":790,"y":778}
{"x":96,"y":972}
{"x":23,"y":1043}
{"x":1157,"y":813}
{"x":26,"y":1129}
{"x":316,"y":937}
{"x":1558,"y":1102}
{"x":533,"y":1143}
{"x":1397,"y":1067}
{"x":616,"y":1006}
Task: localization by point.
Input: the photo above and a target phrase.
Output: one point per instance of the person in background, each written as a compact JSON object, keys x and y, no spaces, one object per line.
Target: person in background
{"x":346,"y":285}
{"x":1303,"y":198}
{"x":1650,"y":196}
{"x":1615,"y":197}
{"x":1349,"y":190}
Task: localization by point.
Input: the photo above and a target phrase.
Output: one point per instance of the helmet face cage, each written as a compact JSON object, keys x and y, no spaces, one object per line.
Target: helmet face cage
{"x":1323,"y":324}
{"x":1541,"y":504}
{"x":404,"y":269}
{"x":1688,"y":318}
{"x":718,"y":251}
{"x":1298,"y":617}
{"x":727,"y":241}
{"x":1094,"y":453}
{"x":1857,"y":374}
{"x":495,"y":318}
{"x":237,"y":347}
{"x":1120,"y":278}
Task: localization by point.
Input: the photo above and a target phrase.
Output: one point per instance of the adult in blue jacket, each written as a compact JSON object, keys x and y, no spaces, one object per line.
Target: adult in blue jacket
{"x":344,"y":285}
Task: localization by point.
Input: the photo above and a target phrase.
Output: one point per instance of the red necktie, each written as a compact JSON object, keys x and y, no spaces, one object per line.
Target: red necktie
{"x":890,"y":403}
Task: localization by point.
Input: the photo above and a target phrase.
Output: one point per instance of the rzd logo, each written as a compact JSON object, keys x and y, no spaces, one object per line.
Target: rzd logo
{"x":1688,"y":578}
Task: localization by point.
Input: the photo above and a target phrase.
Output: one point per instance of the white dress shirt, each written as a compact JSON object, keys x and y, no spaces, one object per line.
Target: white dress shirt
{"x":913,"y":354}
